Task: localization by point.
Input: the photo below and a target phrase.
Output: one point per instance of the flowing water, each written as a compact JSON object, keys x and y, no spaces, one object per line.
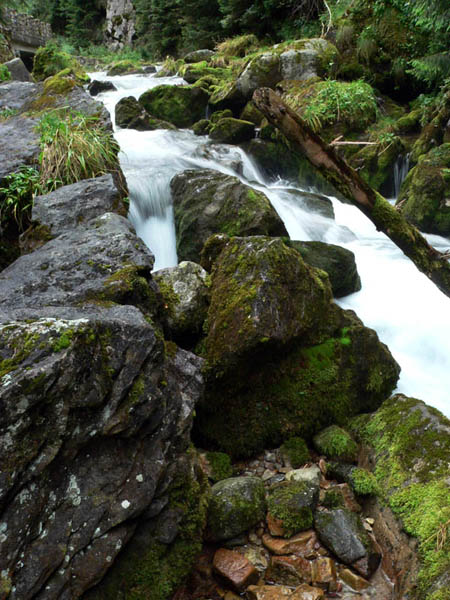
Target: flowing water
{"x":408,"y":312}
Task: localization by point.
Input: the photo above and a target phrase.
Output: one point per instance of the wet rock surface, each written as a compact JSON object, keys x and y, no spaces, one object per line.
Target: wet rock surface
{"x":208,"y":202}
{"x":97,"y":87}
{"x":20,"y":144}
{"x":76,"y":204}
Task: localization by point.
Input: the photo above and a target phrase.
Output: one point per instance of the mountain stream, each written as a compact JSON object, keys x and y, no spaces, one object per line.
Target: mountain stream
{"x":406,"y":309}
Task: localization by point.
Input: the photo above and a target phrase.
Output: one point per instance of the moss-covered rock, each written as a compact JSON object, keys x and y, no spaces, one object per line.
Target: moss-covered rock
{"x":283,"y":360}
{"x":232,"y":131}
{"x":292,"y":504}
{"x":252,"y":114}
{"x":236,"y":505}
{"x":409,"y":444}
{"x":262,"y":71}
{"x":122,"y":67}
{"x":185,"y":292}
{"x":58,"y":84}
{"x":295,"y":451}
{"x":207,"y":202}
{"x":424,"y":198}
{"x":152,"y":566}
{"x":129,"y":114}
{"x":339,"y":263}
{"x":193,"y":72}
{"x":180,"y":105}
{"x":336,"y":443}
{"x":199,"y":55}
{"x":49,"y":61}
{"x":202,"y":127}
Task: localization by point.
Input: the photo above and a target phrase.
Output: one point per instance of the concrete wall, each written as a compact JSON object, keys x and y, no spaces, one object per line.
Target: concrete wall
{"x":26,"y":31}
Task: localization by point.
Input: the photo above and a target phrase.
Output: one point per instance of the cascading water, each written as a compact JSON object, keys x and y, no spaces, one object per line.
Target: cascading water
{"x":408,"y":312}
{"x":401,"y":169}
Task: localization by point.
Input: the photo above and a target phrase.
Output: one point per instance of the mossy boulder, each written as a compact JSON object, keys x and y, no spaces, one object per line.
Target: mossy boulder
{"x":129,"y":114}
{"x":263,"y":295}
{"x":408,"y":443}
{"x":262,"y":71}
{"x":295,"y":452}
{"x":185,"y":292}
{"x":283,"y":360}
{"x":194,"y":72}
{"x":181,"y":105}
{"x":292,"y":504}
{"x":49,"y":61}
{"x":207,"y":202}
{"x":252,"y":114}
{"x":199,"y":55}
{"x":202,"y":127}
{"x":336,"y":443}
{"x":303,"y":59}
{"x":232,"y":131}
{"x":339,"y":263}
{"x":424,"y":198}
{"x":58,"y":84}
{"x":236,"y":505}
{"x":123,"y":67}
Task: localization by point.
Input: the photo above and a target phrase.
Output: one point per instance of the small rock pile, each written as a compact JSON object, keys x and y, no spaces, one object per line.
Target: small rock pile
{"x":275,"y":531}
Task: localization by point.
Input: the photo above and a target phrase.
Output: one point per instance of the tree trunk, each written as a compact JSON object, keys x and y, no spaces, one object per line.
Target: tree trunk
{"x":345,"y":179}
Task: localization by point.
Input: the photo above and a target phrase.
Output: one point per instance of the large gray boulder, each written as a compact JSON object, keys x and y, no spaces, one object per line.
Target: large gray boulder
{"x":262,"y":71}
{"x":16,"y":94}
{"x":199,"y":56}
{"x":207,"y":202}
{"x":72,"y":205}
{"x":120,"y":23}
{"x":18,"y":70}
{"x":100,"y":261}
{"x":307,"y":59}
{"x":93,"y":420}
{"x":20,"y":144}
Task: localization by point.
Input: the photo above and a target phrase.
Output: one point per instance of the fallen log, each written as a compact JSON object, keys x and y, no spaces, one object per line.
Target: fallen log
{"x":346,"y":180}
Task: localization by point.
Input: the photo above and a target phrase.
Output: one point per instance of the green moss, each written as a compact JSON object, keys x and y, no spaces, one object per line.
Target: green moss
{"x":283,"y":504}
{"x":296,"y":450}
{"x":181,"y":105}
{"x":5,"y":75}
{"x":220,"y":464}
{"x":336,"y":443}
{"x":333,"y":499}
{"x":49,"y":61}
{"x":412,"y":452}
{"x":64,"y":341}
{"x":58,"y":85}
{"x":364,"y":482}
{"x":122,"y":67}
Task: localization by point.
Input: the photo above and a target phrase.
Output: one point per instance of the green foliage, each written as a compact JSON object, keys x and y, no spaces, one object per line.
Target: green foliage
{"x":296,"y":450}
{"x":6,"y":113}
{"x":336,"y":443}
{"x":364,"y":482}
{"x":74,"y":147}
{"x":16,"y":197}
{"x":353,"y":103}
{"x":240,"y":45}
{"x":5,"y":75}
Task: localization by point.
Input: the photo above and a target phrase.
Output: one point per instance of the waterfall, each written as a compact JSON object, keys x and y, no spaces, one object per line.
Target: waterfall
{"x":408,"y":312}
{"x":401,"y":169}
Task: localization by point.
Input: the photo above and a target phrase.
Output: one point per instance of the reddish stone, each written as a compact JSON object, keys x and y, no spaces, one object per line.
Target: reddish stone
{"x":353,"y":580}
{"x":275,"y":525}
{"x":301,"y":544}
{"x":306,"y":592}
{"x":289,"y":570}
{"x":323,"y":572}
{"x":235,"y":569}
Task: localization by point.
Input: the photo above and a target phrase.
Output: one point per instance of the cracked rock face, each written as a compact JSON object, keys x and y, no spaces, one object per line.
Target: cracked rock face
{"x":120,"y":23}
{"x":92,"y":412}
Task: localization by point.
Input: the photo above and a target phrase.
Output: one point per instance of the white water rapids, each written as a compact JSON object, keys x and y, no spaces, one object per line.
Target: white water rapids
{"x":408,"y":312}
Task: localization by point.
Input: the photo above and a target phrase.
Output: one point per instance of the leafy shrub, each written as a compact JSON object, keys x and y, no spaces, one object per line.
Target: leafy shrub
{"x":16,"y":197}
{"x":5,"y":75}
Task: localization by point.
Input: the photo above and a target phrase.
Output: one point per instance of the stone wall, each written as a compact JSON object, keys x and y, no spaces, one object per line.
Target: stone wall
{"x":27,"y":30}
